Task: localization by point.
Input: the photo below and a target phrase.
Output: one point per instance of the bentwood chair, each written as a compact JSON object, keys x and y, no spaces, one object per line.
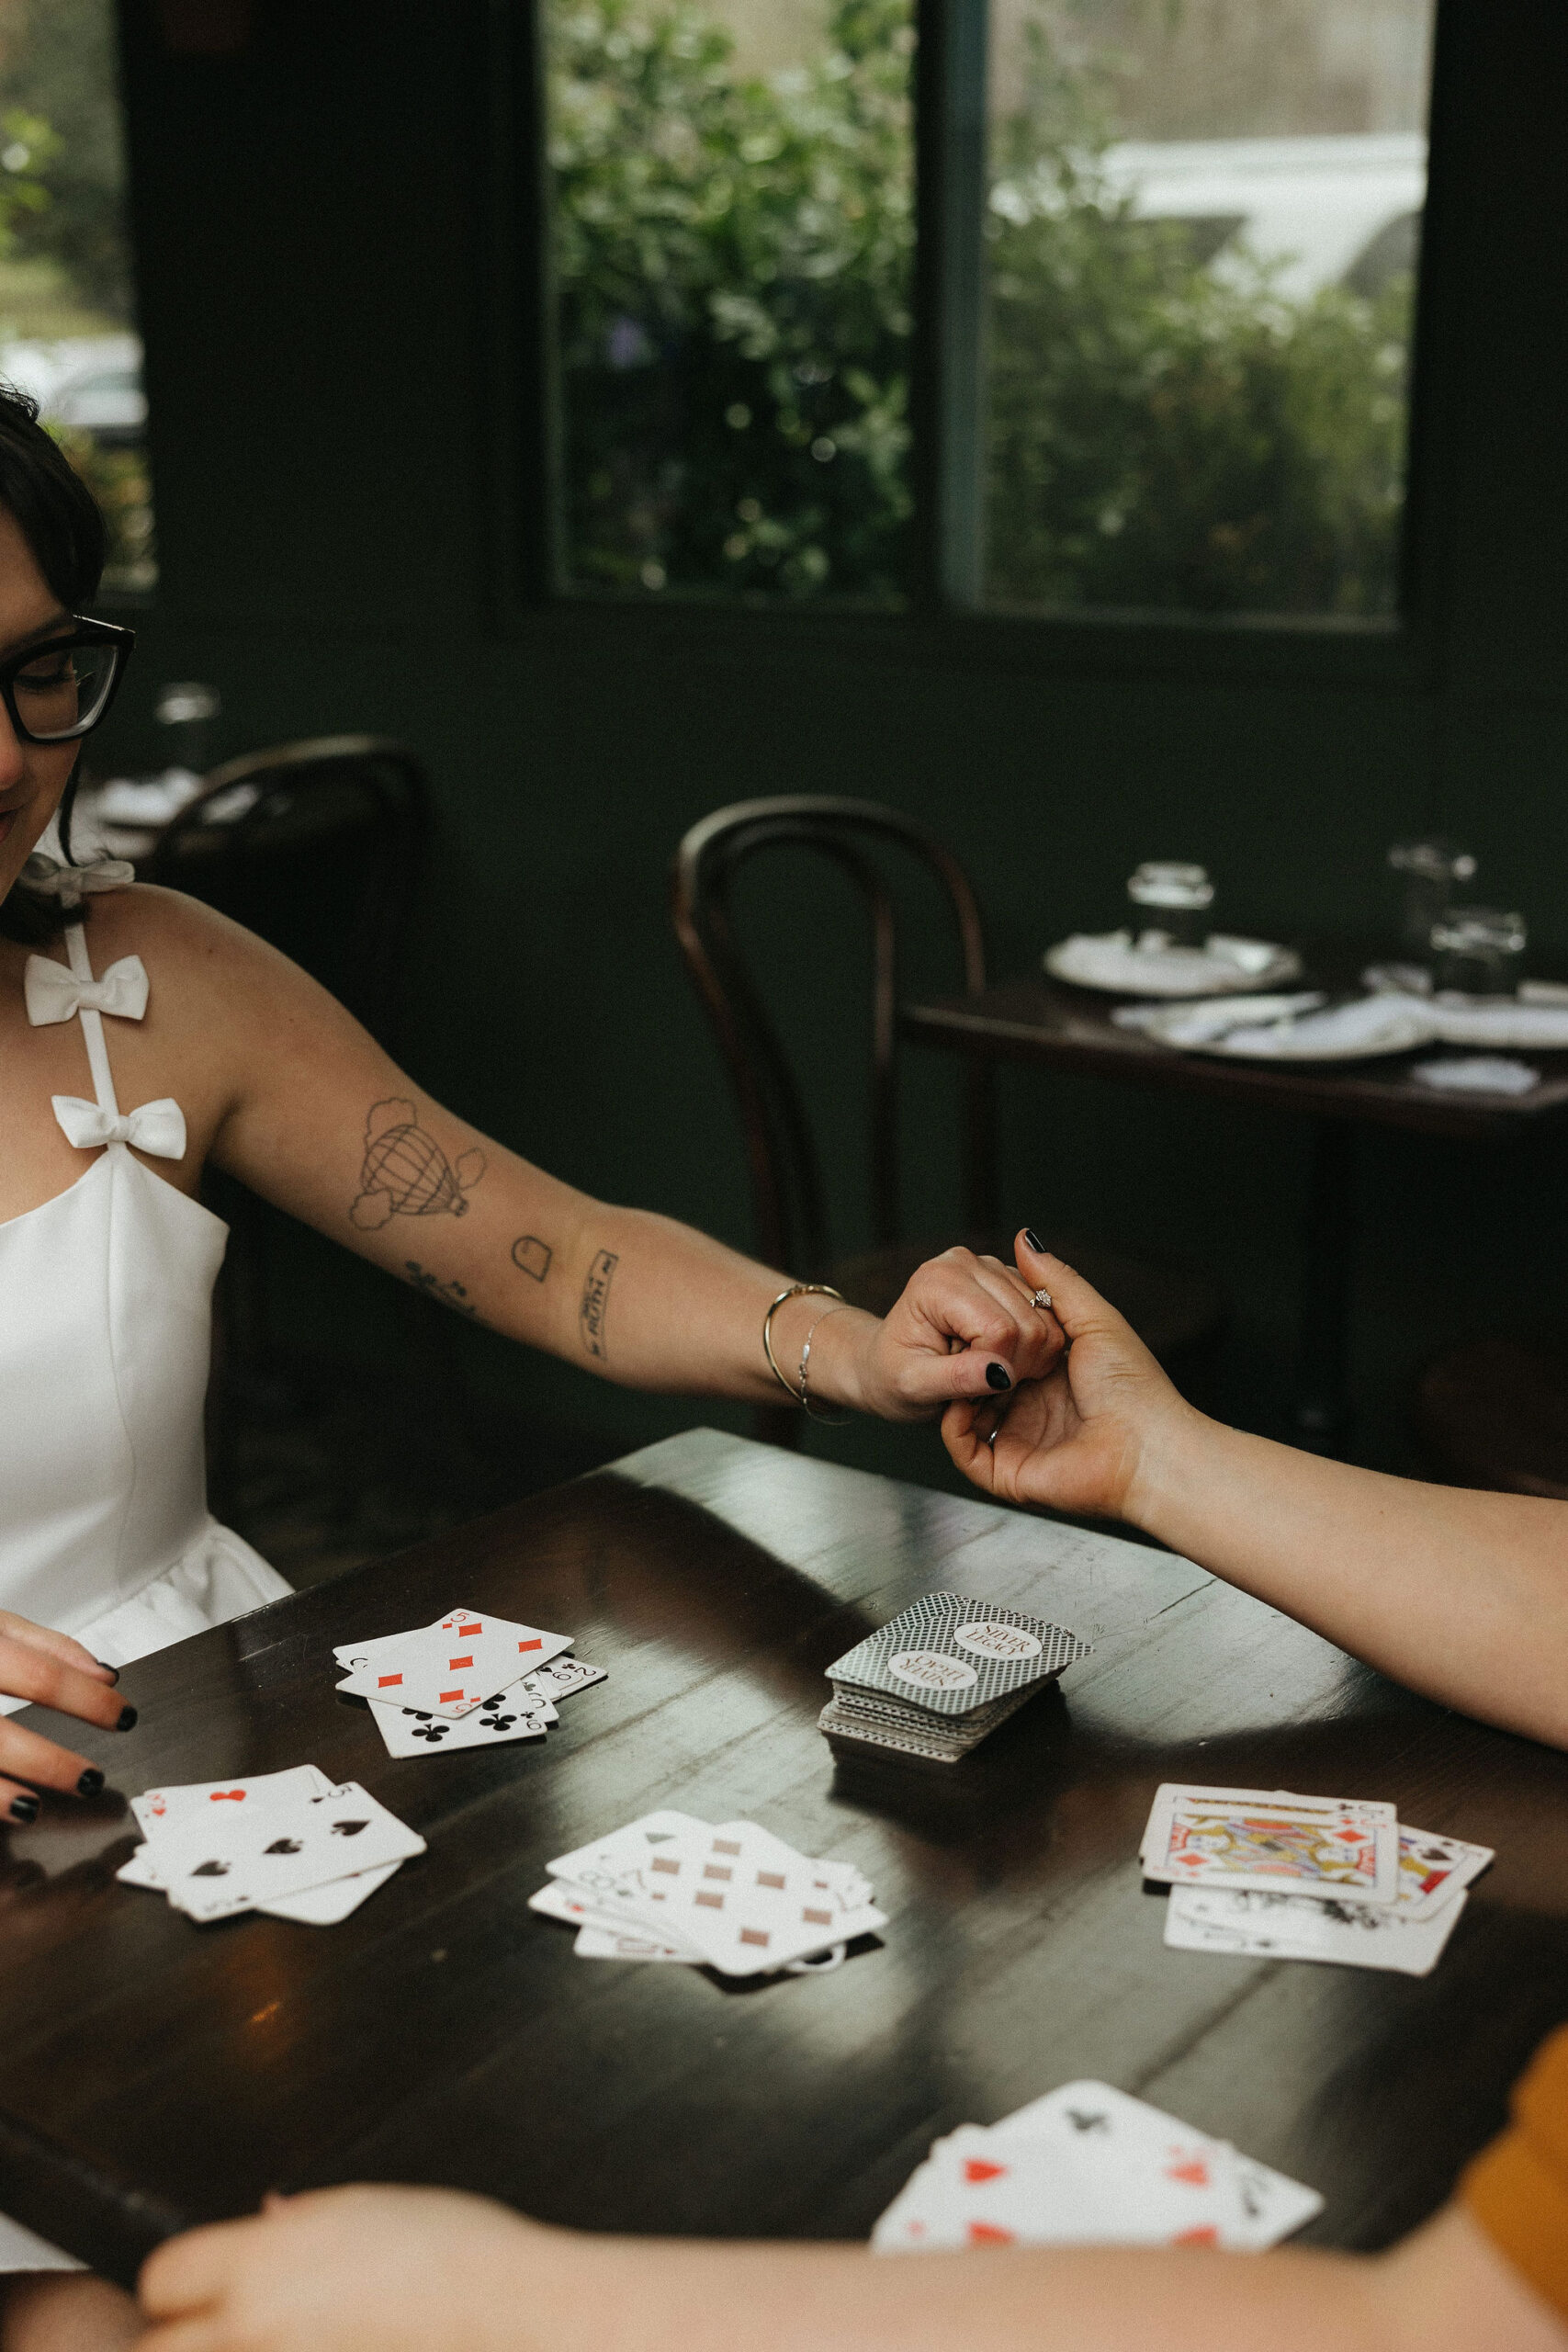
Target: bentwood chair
{"x":319,"y":847}
{"x":1179,"y":1314}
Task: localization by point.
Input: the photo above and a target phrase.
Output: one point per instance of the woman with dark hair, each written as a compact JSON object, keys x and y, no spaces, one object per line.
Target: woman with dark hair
{"x":223,"y":1052}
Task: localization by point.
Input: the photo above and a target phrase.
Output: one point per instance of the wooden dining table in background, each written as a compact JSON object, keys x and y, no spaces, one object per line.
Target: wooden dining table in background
{"x":1056,"y":1026}
{"x":155,"y":2074}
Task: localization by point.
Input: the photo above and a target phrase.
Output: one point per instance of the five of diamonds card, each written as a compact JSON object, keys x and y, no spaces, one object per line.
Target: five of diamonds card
{"x":469,"y":1680}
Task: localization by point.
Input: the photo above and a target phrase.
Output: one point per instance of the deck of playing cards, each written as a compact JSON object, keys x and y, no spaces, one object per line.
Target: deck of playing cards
{"x":728,"y":1896}
{"x":943,"y":1674}
{"x":1089,"y":2166}
{"x":292,"y":1843}
{"x":469,"y":1680}
{"x":1261,"y":1873}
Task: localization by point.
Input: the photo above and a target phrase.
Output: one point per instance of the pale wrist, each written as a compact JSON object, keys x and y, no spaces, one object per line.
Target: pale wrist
{"x":1170,"y":1459}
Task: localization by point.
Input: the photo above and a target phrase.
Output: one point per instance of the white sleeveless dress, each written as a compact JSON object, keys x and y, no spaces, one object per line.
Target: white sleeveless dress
{"x":106,"y":1327}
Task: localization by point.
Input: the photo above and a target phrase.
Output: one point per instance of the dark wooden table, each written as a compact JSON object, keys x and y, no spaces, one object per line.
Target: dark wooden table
{"x":1058,"y":1027}
{"x":155,"y":2074}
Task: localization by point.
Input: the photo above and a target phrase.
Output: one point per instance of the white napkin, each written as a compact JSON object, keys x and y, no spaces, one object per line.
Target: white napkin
{"x":1477,"y":1074}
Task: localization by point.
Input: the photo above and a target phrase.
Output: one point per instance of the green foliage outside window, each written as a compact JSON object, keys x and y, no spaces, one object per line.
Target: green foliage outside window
{"x":734,"y":264}
{"x":733,"y":257}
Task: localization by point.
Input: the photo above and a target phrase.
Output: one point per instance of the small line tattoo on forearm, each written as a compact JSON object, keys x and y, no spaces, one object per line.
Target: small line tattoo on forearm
{"x":406,"y":1174}
{"x":531,"y":1257}
{"x":595,"y":1304}
{"x":453,"y":1294}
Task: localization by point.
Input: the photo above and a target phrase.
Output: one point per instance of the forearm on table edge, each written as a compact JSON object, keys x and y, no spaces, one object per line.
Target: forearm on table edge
{"x":1461,"y":1594}
{"x":667,"y":2297}
{"x":650,"y":1303}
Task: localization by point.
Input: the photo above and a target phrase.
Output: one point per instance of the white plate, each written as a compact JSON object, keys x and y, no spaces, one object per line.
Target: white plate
{"x":1364,"y":1030}
{"x":1114,"y":962}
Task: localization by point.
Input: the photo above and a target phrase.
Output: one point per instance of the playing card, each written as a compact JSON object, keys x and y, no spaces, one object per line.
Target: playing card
{"x":978,"y":2191}
{"x":745,"y":1902}
{"x":1344,"y":1846}
{"x":1086,"y":2164}
{"x":453,"y":1666}
{"x":609,"y":1943}
{"x":508,"y":1715}
{"x":324,"y":1906}
{"x":1433,"y":1869}
{"x":1273,"y":2205}
{"x":948,"y":1656}
{"x":602,"y":1862}
{"x":563,"y":1676}
{"x":219,"y":1799}
{"x":211,"y":1869}
{"x":1258,"y":1925}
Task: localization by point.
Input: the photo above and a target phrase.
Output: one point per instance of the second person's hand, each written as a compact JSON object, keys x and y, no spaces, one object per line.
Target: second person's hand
{"x":1086,"y":1437}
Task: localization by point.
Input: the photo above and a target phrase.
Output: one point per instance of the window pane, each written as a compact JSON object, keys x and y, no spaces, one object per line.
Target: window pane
{"x":734,"y":238}
{"x":1201,"y":249}
{"x":67,"y":295}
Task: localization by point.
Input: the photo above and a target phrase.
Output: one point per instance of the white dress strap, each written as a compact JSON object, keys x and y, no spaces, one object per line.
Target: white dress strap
{"x":157,"y":1129}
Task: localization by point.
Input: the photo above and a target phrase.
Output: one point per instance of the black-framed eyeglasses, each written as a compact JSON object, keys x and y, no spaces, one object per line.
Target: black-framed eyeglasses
{"x":60,"y":690}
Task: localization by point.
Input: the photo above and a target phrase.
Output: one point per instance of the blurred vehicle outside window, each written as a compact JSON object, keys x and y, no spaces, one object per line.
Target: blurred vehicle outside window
{"x":67,"y":288}
{"x":1201,"y":240}
{"x":1198,"y":239}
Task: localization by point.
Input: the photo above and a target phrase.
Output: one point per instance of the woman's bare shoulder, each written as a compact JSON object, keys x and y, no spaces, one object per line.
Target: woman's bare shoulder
{"x":194,"y":947}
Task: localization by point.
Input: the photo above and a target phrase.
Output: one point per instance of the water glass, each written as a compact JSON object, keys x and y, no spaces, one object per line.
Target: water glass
{"x":1478,"y":951}
{"x":1174,"y":899}
{"x":1429,"y":869}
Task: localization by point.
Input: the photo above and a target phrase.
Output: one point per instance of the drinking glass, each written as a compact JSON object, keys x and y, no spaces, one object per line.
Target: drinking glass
{"x":1430,"y":869}
{"x":1479,"y":951}
{"x":1175,"y":898}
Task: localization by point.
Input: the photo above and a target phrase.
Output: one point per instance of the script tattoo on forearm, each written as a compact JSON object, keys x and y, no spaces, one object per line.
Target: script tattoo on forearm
{"x":531,"y":1256}
{"x":595,"y":1304}
{"x":406,"y":1174}
{"x":453,"y":1294}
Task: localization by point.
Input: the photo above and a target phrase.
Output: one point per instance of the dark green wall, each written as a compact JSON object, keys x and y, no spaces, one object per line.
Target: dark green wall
{"x":324,"y":304}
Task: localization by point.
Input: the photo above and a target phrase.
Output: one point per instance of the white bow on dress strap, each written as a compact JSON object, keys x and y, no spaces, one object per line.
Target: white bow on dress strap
{"x":157,"y":1129}
{"x":54,"y":993}
{"x":68,"y":883}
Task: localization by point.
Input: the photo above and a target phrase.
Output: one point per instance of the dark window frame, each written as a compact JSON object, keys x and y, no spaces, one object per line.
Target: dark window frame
{"x":941,"y":624}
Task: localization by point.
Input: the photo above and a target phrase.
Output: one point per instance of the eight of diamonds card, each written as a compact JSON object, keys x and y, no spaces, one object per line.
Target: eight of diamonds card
{"x":1301,"y":1845}
{"x":949,"y":1656}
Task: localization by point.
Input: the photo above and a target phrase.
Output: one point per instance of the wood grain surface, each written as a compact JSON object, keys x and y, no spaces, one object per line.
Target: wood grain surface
{"x":154,"y":2072}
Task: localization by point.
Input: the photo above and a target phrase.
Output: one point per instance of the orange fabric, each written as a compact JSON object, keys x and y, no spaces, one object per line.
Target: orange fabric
{"x":1517,"y":2188}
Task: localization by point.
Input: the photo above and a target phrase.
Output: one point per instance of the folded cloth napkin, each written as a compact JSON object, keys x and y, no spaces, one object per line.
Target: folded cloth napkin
{"x":1477,"y":1074}
{"x":1541,"y":1028}
{"x":1370,"y":1024}
{"x":1210,"y":1018}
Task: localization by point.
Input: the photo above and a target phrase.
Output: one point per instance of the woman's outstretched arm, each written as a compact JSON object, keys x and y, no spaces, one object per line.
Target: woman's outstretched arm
{"x":284,"y":1090}
{"x":1461,"y":1595}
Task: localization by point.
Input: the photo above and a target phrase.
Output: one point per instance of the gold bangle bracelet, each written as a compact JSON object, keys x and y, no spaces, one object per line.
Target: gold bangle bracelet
{"x":795,"y":1289}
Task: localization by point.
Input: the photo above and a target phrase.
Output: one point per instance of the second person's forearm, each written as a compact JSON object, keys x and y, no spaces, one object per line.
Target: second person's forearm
{"x":1462,"y":1595}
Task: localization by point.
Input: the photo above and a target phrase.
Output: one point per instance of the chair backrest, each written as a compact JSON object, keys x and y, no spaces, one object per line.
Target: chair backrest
{"x":787,"y":1188}
{"x":320,"y":847}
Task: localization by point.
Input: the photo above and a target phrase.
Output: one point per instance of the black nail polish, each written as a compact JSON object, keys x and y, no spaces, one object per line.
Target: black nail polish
{"x":1034,"y":1240}
{"x":112,"y":1671}
{"x":91,"y":1782}
{"x":998,"y":1376}
{"x":24,"y":1808}
{"x":127,"y":1719}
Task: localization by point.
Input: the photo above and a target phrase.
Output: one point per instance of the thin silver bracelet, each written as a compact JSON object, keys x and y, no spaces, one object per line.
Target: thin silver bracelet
{"x":828,"y":1421}
{"x":795,"y":1289}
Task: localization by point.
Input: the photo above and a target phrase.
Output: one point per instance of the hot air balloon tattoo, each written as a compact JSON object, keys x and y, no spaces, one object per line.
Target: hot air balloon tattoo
{"x":406,"y":1174}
